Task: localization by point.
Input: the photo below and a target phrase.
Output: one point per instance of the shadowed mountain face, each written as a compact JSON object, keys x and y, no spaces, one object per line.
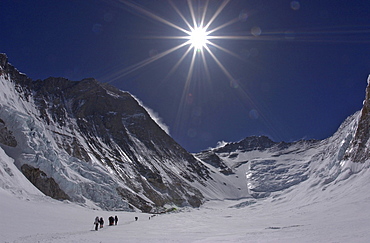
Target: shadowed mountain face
{"x":96,"y":142}
{"x":359,"y":150}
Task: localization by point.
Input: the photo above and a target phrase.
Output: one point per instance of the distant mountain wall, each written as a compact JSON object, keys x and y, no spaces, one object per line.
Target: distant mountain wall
{"x":272,"y":168}
{"x":88,"y":141}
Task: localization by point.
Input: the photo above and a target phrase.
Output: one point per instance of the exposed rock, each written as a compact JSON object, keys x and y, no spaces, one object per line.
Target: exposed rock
{"x":210,"y":157}
{"x":248,"y":144}
{"x":6,"y":136}
{"x":45,"y":184}
{"x":358,"y":150}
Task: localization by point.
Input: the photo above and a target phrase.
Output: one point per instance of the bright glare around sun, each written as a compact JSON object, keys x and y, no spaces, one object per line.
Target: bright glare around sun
{"x":198,"y":43}
{"x":198,"y":38}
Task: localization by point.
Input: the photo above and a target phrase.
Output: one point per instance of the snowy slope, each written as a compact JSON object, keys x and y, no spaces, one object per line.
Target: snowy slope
{"x":338,"y":215}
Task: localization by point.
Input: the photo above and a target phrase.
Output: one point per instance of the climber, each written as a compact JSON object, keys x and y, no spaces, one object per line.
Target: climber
{"x":96,"y":222}
{"x":115,"y":220}
{"x":101,"y":222}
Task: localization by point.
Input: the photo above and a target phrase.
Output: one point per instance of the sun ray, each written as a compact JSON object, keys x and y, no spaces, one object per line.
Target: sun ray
{"x":231,"y":37}
{"x":222,"y":67}
{"x":233,"y":21}
{"x":175,"y":67}
{"x":204,"y":13}
{"x":225,"y":50}
{"x":143,"y":63}
{"x":205,"y":65}
{"x":195,"y":24}
{"x":185,"y":92}
{"x":215,"y":15}
{"x":191,"y":68}
{"x":153,"y":16}
{"x":180,"y":14}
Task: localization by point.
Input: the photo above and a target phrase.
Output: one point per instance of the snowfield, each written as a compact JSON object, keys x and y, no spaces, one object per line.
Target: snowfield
{"x":339,"y":216}
{"x":44,"y":220}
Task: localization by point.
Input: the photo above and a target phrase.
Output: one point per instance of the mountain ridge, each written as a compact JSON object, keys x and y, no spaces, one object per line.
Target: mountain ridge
{"x":64,"y":124}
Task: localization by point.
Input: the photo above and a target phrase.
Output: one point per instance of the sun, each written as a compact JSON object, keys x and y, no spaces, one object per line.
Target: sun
{"x":198,"y":34}
{"x":198,"y":38}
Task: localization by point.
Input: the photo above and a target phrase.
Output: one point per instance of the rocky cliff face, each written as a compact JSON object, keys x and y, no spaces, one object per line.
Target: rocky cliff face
{"x":6,"y":136}
{"x":95,"y":143}
{"x":44,"y":183}
{"x":359,"y":150}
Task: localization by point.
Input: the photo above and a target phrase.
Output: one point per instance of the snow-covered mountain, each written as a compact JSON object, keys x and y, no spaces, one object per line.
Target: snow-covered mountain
{"x":271,"y":169}
{"x":91,"y":143}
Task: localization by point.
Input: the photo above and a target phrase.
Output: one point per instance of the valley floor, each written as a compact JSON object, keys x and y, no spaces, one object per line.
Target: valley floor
{"x":341,"y":219}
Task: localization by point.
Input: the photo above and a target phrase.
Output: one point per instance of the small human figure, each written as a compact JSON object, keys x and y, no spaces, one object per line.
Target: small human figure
{"x":96,"y":222}
{"x":136,"y":218}
{"x":111,"y":220}
{"x":101,"y":222}
{"x":115,"y":220}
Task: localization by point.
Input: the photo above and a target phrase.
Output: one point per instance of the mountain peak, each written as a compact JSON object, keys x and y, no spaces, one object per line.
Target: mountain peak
{"x":248,"y":144}
{"x":359,"y":151}
{"x":3,"y":60}
{"x":94,"y":142}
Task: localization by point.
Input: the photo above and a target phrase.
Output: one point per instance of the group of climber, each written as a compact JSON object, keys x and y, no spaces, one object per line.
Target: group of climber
{"x":100,"y":221}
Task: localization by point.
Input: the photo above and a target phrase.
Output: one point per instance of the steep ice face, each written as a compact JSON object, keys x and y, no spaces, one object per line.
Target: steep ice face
{"x":12,"y":180}
{"x":37,"y":146}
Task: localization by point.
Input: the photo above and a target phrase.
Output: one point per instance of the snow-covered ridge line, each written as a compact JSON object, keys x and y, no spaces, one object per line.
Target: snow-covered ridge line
{"x":270,"y":168}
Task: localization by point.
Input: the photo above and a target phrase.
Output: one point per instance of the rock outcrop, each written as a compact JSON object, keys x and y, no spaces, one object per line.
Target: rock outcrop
{"x":45,"y":184}
{"x":359,"y":149}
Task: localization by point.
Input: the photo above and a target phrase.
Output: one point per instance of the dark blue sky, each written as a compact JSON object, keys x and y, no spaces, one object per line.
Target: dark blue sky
{"x":298,"y":73}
